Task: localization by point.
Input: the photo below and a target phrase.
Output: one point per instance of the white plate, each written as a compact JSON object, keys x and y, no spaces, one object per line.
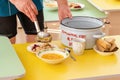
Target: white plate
{"x":29,"y":47}
{"x":52,"y":8}
{"x":81,"y":6}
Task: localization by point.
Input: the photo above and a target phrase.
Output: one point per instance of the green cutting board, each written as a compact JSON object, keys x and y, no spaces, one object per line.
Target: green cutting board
{"x":10,"y":65}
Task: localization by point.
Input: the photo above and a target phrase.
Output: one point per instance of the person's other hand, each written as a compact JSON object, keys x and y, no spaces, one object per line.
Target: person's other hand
{"x":64,"y":12}
{"x":27,"y":7}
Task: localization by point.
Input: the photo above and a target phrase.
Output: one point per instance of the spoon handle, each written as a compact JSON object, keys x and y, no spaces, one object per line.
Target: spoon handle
{"x":73,"y":58}
{"x":37,"y":26}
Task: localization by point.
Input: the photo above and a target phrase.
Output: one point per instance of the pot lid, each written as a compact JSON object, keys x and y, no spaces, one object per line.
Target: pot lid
{"x":82,"y":22}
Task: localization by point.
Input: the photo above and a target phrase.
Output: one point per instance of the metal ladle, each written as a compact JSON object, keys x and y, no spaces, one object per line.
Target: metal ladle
{"x":41,"y":35}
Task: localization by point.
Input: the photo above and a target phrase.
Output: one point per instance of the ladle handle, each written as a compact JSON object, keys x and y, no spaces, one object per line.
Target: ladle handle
{"x":37,"y":26}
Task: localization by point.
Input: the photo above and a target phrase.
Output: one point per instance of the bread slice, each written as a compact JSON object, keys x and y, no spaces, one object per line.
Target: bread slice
{"x":110,"y":40}
{"x":100,"y":48}
{"x":113,"y":47}
{"x":103,"y":43}
{"x":106,"y":44}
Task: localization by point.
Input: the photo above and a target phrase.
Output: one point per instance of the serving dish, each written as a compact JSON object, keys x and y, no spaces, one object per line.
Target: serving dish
{"x":53,"y":56}
{"x":85,"y":27}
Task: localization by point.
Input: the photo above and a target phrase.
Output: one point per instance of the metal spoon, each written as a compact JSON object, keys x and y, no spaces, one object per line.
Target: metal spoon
{"x":41,"y":35}
{"x":73,"y":58}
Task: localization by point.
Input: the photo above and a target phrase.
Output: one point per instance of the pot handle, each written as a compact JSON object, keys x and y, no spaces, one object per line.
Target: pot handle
{"x":100,"y":35}
{"x":106,"y":22}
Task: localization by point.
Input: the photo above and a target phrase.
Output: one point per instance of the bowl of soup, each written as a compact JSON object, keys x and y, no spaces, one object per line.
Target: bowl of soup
{"x":53,"y":56}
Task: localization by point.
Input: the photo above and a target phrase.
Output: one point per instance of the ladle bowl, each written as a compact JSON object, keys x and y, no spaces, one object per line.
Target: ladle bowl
{"x":41,"y":35}
{"x":44,"y":37}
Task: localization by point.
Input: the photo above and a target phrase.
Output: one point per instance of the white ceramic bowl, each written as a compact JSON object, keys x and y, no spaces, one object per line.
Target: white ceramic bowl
{"x":103,"y":53}
{"x":52,"y":59}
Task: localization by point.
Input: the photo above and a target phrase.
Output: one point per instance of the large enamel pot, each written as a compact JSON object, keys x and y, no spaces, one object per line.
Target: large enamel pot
{"x":85,"y":27}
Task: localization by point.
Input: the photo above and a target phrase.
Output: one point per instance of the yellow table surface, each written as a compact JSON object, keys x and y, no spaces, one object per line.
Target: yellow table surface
{"x":106,"y":5}
{"x":88,"y":65}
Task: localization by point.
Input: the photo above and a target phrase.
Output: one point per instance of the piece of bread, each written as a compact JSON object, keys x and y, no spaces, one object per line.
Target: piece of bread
{"x":110,"y":40}
{"x":113,"y":47}
{"x":103,"y":43}
{"x":100,"y":48}
{"x":106,"y":44}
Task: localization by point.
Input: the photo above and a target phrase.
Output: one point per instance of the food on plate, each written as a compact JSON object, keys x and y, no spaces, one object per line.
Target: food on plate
{"x":106,"y":45}
{"x":52,"y":56}
{"x":51,"y":4}
{"x":36,"y":47}
{"x":103,"y":45}
{"x":110,"y":40}
{"x":113,"y":48}
{"x":74,"y":5}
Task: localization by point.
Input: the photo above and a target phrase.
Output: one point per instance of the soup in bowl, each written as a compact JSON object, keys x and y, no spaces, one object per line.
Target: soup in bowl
{"x":53,"y":56}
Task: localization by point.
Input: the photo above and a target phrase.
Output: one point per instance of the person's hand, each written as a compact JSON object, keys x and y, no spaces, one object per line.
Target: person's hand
{"x":64,"y":12}
{"x":27,"y":7}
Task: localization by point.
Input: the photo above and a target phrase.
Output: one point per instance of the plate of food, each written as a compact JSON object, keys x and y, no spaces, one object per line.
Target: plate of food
{"x":36,"y":47}
{"x":51,"y":5}
{"x":76,"y":6}
{"x":105,"y":46}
